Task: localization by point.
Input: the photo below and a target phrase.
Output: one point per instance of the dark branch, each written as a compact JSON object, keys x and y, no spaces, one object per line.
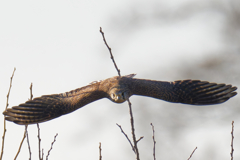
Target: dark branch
{"x":110,"y":51}
{"x":133,"y":130}
{"x":29,"y":148}
{"x":232,"y":141}
{"x":192,"y":153}
{"x":140,"y":139}
{"x":25,"y":134}
{"x":51,"y":146}
{"x":31,"y":95}
{"x":4,"y":129}
{"x":154,"y":142}
{"x":100,"y":151}
{"x":19,"y":149}
{"x":126,"y":137}
{"x":39,"y":143}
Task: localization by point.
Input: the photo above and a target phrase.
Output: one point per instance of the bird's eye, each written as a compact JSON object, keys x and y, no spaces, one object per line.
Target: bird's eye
{"x":113,"y":95}
{"x":123,"y":95}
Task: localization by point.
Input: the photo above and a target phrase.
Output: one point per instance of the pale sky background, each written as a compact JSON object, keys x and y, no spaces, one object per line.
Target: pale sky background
{"x":57,"y":46}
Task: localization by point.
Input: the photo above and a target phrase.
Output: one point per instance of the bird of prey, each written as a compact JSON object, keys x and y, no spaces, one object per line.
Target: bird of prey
{"x":118,"y":89}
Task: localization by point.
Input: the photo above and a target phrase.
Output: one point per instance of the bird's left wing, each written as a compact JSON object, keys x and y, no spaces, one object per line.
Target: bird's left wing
{"x":47,"y":107}
{"x":184,"y":91}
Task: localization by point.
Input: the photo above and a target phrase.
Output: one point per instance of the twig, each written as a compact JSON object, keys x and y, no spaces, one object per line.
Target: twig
{"x":10,"y":88}
{"x":126,"y":137}
{"x":140,"y":139}
{"x":4,"y":130}
{"x":110,"y":50}
{"x":51,"y":146}
{"x":100,"y":151}
{"x":39,"y":142}
{"x":192,"y":153}
{"x":154,"y":142}
{"x":42,"y":154}
{"x":232,"y":141}
{"x":29,"y":148}
{"x":135,"y":149}
{"x":31,"y":95}
{"x":19,"y":149}
{"x":133,"y":130}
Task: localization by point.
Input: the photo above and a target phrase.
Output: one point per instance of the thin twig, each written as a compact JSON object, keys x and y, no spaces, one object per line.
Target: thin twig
{"x":232,"y":141}
{"x":42,"y":154}
{"x":133,"y":130}
{"x":39,"y":142}
{"x":31,"y":95}
{"x":4,"y":129}
{"x":29,"y":148}
{"x":110,"y":50}
{"x":140,"y":139}
{"x":154,"y":142}
{"x":51,"y":146}
{"x":192,"y":153}
{"x":100,"y":151}
{"x":126,"y":137}
{"x":10,"y":88}
{"x":19,"y":149}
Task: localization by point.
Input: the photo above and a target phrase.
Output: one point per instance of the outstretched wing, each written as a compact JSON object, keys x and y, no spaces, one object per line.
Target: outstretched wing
{"x":47,"y":107}
{"x":185,"y":91}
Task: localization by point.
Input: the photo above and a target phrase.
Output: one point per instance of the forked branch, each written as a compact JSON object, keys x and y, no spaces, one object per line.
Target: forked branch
{"x":133,"y":130}
{"x":134,"y":145}
{"x":126,"y":137}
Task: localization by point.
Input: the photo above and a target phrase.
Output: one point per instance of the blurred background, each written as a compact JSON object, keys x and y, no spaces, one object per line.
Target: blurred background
{"x":57,"y":46}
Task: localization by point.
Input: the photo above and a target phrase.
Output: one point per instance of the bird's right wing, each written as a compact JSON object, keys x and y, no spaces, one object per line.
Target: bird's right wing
{"x":47,"y":107}
{"x":194,"y":92}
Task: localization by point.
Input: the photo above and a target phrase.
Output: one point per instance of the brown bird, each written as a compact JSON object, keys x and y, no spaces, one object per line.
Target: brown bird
{"x":119,"y":89}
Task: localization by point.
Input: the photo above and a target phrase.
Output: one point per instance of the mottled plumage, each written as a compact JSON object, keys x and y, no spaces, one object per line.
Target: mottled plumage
{"x":119,"y":89}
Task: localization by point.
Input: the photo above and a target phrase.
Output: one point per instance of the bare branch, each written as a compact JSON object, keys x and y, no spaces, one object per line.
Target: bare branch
{"x":110,"y":51}
{"x":19,"y":149}
{"x":126,"y":137}
{"x":192,"y":153}
{"x":51,"y":146}
{"x":231,"y":153}
{"x":31,"y":95}
{"x":10,"y":88}
{"x":29,"y":148}
{"x":42,"y":154}
{"x":4,"y":129}
{"x":39,"y":143}
{"x":154,"y":142}
{"x":100,"y":151}
{"x":140,"y":139}
{"x":133,"y":130}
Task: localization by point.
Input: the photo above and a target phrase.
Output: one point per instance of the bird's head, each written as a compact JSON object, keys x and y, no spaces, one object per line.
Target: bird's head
{"x":118,"y":95}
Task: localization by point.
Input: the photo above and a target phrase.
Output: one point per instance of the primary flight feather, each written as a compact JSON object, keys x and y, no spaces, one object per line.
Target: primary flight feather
{"x":118,"y":89}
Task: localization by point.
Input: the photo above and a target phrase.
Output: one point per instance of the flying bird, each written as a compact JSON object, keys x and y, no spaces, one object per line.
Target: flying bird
{"x":118,"y":89}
